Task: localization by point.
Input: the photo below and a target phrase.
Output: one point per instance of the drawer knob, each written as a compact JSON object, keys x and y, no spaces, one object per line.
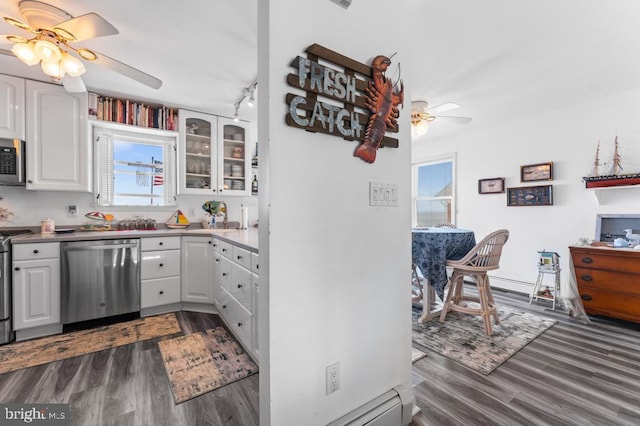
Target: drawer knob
{"x":209,"y":242}
{"x":217,"y":260}
{"x":17,"y":268}
{"x":224,"y":249}
{"x":161,"y":292}
{"x":36,"y":251}
{"x":239,"y":257}
{"x":224,"y":306}
{"x":224,"y":274}
{"x":240,"y":324}
{"x":586,"y":277}
{"x":587,"y":260}
{"x":240,"y":286}
{"x":258,"y":266}
{"x":161,"y":265}
{"x":586,"y":297}
{"x":215,"y":245}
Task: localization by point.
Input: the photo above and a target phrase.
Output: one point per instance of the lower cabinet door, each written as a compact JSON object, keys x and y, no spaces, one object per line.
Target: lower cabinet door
{"x":36,"y":293}
{"x":160,"y":291}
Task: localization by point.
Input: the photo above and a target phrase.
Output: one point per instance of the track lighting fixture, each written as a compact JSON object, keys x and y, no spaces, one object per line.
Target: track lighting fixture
{"x":247,"y":91}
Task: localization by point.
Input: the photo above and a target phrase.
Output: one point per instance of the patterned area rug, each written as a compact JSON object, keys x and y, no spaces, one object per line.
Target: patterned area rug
{"x":18,"y":355}
{"x":462,"y":338}
{"x":201,"y":362}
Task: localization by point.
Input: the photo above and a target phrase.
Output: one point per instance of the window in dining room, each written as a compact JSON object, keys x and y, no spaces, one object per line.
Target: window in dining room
{"x":433,"y":192}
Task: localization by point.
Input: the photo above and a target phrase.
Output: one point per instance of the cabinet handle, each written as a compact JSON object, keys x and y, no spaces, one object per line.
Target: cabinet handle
{"x":224,"y":274}
{"x":224,"y":249}
{"x":586,"y":297}
{"x":587,"y":260}
{"x":240,"y":286}
{"x":258,"y":266}
{"x":239,"y":257}
{"x":224,"y":306}
{"x":586,"y":277}
{"x":240,"y":324}
{"x":17,"y":268}
{"x":209,"y":242}
{"x":160,"y":243}
{"x":161,"y":292}
{"x":36,"y":251}
{"x":29,"y":181}
{"x":217,"y":260}
{"x":215,"y":245}
{"x":161,"y":265}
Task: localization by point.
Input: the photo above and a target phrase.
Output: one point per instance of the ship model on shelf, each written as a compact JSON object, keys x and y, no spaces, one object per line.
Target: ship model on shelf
{"x":616,"y":178}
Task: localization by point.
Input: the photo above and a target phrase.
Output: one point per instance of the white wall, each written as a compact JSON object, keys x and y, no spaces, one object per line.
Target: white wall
{"x":566,"y":136}
{"x":30,"y":207}
{"x":335,"y":287}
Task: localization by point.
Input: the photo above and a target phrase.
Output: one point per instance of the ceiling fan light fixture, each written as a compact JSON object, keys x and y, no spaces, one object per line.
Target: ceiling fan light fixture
{"x":64,"y":34}
{"x":87,"y":54}
{"x":16,"y":39}
{"x":18,"y":24}
{"x":419,"y":128}
{"x":26,"y":53}
{"x":47,"y":51}
{"x":71,"y":65}
{"x":52,"y":69}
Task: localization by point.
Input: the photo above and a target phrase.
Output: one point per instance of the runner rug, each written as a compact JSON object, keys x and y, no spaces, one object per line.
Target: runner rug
{"x":43,"y":350}
{"x":201,"y":362}
{"x":462,"y":338}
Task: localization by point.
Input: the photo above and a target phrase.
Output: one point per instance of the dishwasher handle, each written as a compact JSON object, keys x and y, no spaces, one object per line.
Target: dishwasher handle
{"x":101,"y":247}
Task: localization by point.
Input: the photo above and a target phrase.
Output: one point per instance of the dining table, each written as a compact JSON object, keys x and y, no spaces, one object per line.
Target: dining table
{"x":431,"y":248}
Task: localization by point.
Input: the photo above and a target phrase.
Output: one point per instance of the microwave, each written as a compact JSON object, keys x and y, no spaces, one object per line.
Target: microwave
{"x":12,"y":162}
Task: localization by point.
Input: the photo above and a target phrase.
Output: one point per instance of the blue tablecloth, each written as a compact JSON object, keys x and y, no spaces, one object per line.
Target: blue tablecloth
{"x":433,"y":246}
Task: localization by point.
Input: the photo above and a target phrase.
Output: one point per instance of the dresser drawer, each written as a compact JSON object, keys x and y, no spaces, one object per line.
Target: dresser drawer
{"x":158,"y":292}
{"x":608,"y":281}
{"x":612,"y":260}
{"x":36,"y":251}
{"x":616,"y":305}
{"x":158,"y":264}
{"x":159,"y":243}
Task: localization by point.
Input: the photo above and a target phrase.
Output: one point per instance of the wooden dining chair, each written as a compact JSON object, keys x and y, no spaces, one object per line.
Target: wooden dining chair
{"x":483,"y":257}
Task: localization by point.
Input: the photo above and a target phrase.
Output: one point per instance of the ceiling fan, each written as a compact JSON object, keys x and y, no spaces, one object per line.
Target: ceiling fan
{"x":50,"y":43}
{"x":422,"y":115}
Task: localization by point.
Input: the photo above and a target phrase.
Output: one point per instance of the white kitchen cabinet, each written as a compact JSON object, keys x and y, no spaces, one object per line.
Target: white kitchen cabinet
{"x":12,"y":107}
{"x":198,"y":269}
{"x":214,"y":155}
{"x":58,"y":153}
{"x":36,"y":285}
{"x":237,"y":293}
{"x":159,"y":273}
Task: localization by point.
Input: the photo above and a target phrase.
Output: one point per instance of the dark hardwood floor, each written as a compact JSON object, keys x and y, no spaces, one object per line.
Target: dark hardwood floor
{"x":128,"y":385}
{"x":573,"y":374}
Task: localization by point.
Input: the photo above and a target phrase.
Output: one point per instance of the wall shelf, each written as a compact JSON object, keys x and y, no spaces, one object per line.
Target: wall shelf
{"x":603,"y":194}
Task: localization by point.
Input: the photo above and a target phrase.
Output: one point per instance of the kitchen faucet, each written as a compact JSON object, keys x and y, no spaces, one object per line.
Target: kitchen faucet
{"x":225,"y":221}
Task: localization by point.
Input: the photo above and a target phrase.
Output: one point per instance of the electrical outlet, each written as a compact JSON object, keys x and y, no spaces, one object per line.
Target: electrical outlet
{"x":72,"y":212}
{"x":333,"y":378}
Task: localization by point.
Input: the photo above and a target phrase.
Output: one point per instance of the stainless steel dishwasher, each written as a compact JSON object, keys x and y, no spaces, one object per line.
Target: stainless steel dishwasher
{"x":99,"y":279}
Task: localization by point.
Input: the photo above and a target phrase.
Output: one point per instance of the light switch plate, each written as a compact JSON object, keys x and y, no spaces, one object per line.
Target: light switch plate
{"x":383,"y":194}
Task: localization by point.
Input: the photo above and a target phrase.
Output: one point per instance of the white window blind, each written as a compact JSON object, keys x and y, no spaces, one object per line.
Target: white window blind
{"x":134,"y":168}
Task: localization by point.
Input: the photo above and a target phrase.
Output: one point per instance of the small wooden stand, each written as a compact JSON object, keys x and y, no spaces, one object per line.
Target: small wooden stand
{"x":549,"y":263}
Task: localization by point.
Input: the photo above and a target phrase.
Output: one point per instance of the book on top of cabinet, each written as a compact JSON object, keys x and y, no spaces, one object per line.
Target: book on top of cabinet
{"x":133,"y":113}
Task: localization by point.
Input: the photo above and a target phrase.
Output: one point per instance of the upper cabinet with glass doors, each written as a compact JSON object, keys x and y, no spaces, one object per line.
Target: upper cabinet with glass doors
{"x":213,"y":155}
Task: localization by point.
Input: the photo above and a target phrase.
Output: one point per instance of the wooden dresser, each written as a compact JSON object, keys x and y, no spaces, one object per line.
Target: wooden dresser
{"x":608,"y":281}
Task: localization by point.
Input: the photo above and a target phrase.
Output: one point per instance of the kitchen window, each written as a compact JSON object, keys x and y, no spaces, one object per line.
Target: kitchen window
{"x":134,"y":167}
{"x":433,"y":192}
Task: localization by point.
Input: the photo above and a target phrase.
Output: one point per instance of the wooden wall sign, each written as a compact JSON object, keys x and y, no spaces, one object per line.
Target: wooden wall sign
{"x":350,"y":99}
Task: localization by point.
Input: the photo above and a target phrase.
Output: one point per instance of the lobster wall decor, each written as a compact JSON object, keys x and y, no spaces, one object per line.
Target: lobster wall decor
{"x":352,"y":100}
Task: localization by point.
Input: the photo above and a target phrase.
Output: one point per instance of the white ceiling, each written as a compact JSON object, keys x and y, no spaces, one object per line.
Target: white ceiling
{"x":497,"y":59}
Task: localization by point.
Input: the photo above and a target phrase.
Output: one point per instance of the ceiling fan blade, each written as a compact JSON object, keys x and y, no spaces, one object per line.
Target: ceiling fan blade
{"x":73,"y":84}
{"x":128,"y":71}
{"x":87,"y":26}
{"x":448,"y":106}
{"x":6,"y":52}
{"x":457,"y":120}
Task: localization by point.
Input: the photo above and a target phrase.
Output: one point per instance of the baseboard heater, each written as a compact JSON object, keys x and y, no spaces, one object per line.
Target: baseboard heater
{"x":392,"y":408}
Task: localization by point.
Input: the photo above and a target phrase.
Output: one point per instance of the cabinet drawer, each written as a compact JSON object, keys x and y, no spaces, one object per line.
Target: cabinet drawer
{"x":612,"y":260}
{"x":615,"y":305}
{"x":608,"y":281}
{"x":217,"y":245}
{"x":226,"y":249}
{"x":239,"y":286}
{"x":161,"y":291}
{"x":159,"y":264}
{"x":237,"y":317}
{"x":255,"y":263}
{"x":159,"y":243}
{"x":242,"y":257}
{"x":36,"y":251}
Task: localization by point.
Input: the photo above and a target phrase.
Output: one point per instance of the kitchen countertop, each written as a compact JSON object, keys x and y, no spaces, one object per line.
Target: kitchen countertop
{"x":246,"y":238}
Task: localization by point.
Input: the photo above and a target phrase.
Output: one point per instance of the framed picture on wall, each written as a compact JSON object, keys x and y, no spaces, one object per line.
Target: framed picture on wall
{"x":491,"y":186}
{"x":535,"y":172}
{"x":530,"y":196}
